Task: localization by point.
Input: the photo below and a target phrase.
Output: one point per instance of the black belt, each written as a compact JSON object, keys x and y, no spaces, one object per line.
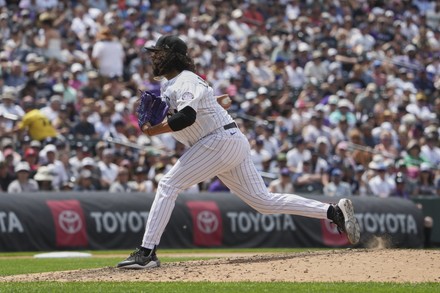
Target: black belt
{"x":230,"y":125}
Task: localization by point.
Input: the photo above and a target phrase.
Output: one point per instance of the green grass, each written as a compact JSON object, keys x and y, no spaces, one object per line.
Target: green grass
{"x":23,"y":262}
{"x":251,"y":287}
{"x":12,"y":266}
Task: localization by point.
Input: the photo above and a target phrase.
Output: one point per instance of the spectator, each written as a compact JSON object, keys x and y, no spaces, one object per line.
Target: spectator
{"x":57,"y":167}
{"x":283,"y":184}
{"x":121,"y":184}
{"x":83,"y":128}
{"x":217,"y":186}
{"x":337,"y":187}
{"x":109,"y":170}
{"x":380,"y":185}
{"x":84,"y":182}
{"x":5,"y":176}
{"x":297,"y":155}
{"x":140,"y":183}
{"x":23,"y":183}
{"x":108,"y":54}
{"x":426,"y":185}
{"x":36,"y":124}
{"x":44,"y":178}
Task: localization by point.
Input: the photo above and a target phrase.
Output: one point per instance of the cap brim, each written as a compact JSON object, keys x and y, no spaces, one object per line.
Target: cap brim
{"x":152,"y":49}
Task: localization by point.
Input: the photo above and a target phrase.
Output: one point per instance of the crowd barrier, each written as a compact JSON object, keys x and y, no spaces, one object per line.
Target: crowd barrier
{"x":61,"y":221}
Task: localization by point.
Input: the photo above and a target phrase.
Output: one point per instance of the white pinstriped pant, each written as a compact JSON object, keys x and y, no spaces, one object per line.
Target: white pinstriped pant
{"x":226,"y":154}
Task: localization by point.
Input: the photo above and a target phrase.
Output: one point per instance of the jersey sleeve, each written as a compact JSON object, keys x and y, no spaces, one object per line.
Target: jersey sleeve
{"x":190,"y":93}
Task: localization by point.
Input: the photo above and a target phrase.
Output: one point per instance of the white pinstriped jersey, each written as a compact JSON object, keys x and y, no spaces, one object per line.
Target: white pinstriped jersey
{"x":189,"y":89}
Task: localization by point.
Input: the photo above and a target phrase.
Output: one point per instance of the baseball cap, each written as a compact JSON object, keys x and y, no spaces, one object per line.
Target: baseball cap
{"x":336,"y":172}
{"x":22,"y":166}
{"x":169,"y":42}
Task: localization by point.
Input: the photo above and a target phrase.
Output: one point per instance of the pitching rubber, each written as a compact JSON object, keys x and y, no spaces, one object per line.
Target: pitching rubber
{"x":351,"y":223}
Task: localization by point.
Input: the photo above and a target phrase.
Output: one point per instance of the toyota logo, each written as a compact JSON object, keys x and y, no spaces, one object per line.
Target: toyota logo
{"x":207,"y":222}
{"x":70,"y":222}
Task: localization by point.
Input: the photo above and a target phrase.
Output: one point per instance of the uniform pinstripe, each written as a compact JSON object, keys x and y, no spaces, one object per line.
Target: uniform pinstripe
{"x":214,"y":151}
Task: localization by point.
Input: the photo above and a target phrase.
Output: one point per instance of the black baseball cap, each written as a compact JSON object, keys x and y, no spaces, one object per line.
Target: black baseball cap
{"x":169,"y":42}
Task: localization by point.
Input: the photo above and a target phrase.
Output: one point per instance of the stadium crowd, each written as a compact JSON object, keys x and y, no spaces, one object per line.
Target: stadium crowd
{"x":337,"y":97}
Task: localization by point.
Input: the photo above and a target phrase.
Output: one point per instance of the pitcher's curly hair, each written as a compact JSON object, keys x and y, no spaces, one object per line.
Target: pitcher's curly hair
{"x":165,"y":61}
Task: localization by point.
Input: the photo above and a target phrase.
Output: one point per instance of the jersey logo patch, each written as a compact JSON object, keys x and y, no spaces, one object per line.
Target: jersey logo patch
{"x":187,"y":96}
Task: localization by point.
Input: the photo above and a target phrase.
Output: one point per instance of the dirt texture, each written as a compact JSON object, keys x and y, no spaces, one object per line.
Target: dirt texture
{"x":351,"y":265}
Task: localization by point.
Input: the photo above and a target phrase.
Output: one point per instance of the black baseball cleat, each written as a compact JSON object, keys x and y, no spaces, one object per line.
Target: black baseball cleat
{"x":138,"y":259}
{"x":345,"y":220}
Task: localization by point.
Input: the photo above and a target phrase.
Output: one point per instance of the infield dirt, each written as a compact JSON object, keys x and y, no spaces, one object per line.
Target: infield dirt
{"x":351,"y":265}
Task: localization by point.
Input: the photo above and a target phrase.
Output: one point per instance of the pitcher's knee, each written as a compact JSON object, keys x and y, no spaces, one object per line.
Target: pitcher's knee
{"x":166,"y":191}
{"x":263,"y":206}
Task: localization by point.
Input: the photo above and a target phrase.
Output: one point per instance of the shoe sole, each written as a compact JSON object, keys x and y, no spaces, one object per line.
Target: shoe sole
{"x":135,"y":266}
{"x":351,"y":224}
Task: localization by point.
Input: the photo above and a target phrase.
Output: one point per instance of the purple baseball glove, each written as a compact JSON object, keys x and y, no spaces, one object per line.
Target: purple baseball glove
{"x":151,"y":109}
{"x":143,"y":109}
{"x":159,"y":111}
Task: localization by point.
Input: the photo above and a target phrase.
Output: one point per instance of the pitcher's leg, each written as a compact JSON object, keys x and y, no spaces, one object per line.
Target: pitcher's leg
{"x":246,"y":182}
{"x":202,"y":161}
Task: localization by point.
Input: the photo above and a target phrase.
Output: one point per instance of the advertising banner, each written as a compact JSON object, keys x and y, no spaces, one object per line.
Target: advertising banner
{"x":60,"y":221}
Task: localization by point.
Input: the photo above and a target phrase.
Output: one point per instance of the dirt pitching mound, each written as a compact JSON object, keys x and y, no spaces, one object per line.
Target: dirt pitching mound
{"x":351,"y":265}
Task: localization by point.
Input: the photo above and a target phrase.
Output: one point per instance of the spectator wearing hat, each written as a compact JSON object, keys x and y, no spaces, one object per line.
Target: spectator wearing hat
{"x":283,"y":184}
{"x":426,"y":180}
{"x":92,"y":88}
{"x":108,"y":54}
{"x":23,"y":183}
{"x":421,"y":108}
{"x":140,"y":183}
{"x":50,"y":40}
{"x":88,"y":163}
{"x":297,"y":155}
{"x":259,"y":154}
{"x":32,"y":157}
{"x":109,"y":170}
{"x":83,"y":128}
{"x":316,"y":128}
{"x":315,"y":69}
{"x":344,"y":109}
{"x":366,"y":100}
{"x":400,"y":189}
{"x":307,"y":180}
{"x":44,"y":178}
{"x":59,"y":171}
{"x":84,"y":182}
{"x":78,"y":77}
{"x":9,"y":110}
{"x":121,"y":184}
{"x":430,"y":149}
{"x":52,"y":110}
{"x":337,"y":187}
{"x":380,"y":184}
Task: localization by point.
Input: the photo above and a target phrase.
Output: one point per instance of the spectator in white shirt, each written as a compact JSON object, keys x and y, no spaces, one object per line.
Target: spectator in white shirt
{"x":108,"y":54}
{"x":337,"y":187}
{"x":380,"y":185}
{"x":109,"y":170}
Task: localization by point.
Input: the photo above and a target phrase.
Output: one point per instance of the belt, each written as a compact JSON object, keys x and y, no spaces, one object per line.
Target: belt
{"x":230,"y":125}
